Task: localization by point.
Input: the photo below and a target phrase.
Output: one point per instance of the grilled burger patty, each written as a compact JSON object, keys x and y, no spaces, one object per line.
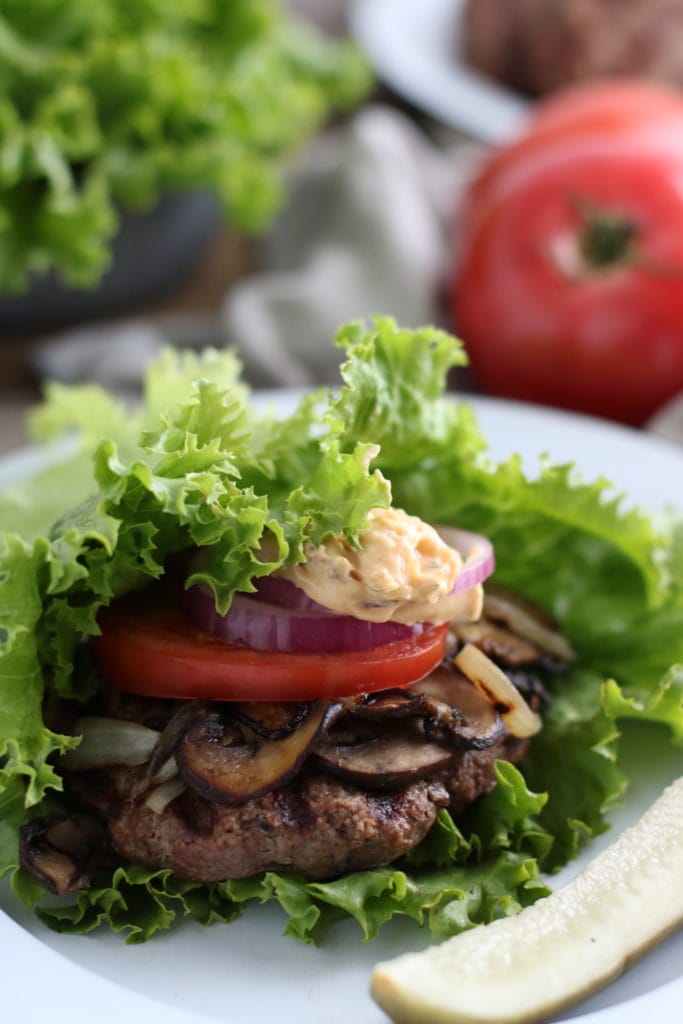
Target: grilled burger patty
{"x":316,"y":824}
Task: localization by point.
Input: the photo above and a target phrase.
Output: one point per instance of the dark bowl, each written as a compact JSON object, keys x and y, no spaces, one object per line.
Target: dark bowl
{"x":151,"y":252}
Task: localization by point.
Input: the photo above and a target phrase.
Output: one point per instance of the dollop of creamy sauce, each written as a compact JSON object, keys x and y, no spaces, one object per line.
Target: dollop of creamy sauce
{"x":402,"y":572}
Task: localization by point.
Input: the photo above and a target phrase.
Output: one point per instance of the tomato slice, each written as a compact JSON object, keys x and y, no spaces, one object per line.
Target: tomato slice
{"x":151,"y":649}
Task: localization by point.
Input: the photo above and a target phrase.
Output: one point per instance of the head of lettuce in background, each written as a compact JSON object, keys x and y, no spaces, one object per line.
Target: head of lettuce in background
{"x":109,"y":105}
{"x":197,"y":465}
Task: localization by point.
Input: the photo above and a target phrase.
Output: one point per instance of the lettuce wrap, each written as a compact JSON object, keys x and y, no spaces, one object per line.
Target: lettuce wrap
{"x":197,"y":465}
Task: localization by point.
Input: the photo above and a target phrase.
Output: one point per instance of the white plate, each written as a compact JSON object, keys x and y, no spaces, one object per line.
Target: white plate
{"x":246,"y":973}
{"x":414,"y":47}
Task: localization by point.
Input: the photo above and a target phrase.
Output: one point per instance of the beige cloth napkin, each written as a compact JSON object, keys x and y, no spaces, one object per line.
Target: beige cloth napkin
{"x":366,"y":229}
{"x":668,"y":422}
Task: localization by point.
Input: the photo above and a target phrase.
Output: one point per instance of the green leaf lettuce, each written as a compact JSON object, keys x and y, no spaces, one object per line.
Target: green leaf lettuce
{"x":107,"y":106}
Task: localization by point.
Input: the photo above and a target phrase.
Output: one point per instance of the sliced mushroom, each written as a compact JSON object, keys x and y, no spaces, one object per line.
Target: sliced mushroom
{"x":498,"y":643}
{"x":390,"y":759}
{"x":272,"y":720}
{"x":453,"y":711}
{"x":186,"y":715}
{"x":217,"y":761}
{"x":55,"y":870}
{"x":61,"y":852}
{"x":472,"y":722}
{"x":525,"y":618}
{"x":393,"y":703}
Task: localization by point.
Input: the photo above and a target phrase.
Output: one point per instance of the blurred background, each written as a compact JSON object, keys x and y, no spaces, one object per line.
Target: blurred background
{"x":258,"y":173}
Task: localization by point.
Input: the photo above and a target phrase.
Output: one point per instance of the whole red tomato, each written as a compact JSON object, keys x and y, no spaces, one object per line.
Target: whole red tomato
{"x":569,"y":284}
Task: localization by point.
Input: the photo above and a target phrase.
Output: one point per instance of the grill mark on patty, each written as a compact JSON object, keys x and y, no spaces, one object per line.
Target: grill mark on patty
{"x":293,"y":807}
{"x":389,"y":805}
{"x":197,"y":814}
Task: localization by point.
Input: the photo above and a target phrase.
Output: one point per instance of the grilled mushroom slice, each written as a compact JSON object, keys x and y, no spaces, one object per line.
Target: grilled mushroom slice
{"x":219,"y":762}
{"x":394,"y":703}
{"x":498,"y":643}
{"x":272,"y":720}
{"x":473,"y":721}
{"x":526,"y":619}
{"x":188,"y":714}
{"x":377,"y":757}
{"x":452,"y":710}
{"x":61,"y":852}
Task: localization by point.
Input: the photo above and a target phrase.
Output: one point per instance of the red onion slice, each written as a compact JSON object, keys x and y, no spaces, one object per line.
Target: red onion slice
{"x":477,"y":553}
{"x":280,"y":616}
{"x":285,"y":594}
{"x":269,"y":627}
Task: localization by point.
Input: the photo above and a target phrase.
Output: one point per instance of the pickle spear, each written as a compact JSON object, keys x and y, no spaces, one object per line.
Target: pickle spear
{"x":561,"y":949}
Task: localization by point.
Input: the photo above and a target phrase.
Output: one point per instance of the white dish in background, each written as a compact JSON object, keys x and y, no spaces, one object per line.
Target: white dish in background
{"x":246,"y":972}
{"x":413,"y":46}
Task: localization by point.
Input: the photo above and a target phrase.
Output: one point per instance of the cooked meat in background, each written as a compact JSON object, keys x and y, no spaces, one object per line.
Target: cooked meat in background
{"x":537,"y":46}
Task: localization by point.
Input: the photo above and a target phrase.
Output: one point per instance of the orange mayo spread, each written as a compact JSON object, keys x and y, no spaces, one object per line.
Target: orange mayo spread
{"x":402,"y":572}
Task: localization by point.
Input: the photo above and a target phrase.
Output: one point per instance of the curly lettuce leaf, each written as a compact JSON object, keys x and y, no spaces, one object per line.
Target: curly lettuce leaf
{"x":395,"y":393}
{"x":662,"y":704}
{"x":26,"y":745}
{"x":109,"y":105}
